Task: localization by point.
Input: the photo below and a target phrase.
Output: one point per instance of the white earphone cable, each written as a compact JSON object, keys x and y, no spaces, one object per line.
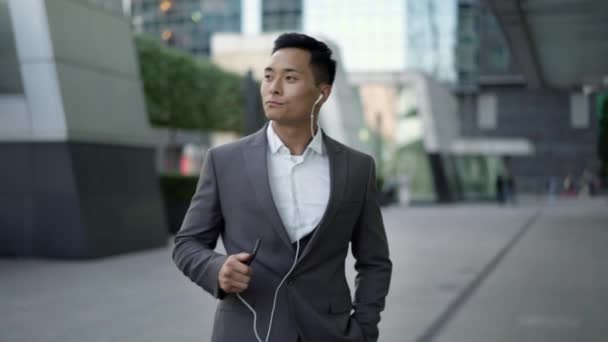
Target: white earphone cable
{"x":255,"y":317}
{"x":274,"y":300}
{"x":312,"y":117}
{"x":276,"y":292}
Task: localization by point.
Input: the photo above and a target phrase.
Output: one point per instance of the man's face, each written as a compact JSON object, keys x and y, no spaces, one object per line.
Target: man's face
{"x":289,"y":90}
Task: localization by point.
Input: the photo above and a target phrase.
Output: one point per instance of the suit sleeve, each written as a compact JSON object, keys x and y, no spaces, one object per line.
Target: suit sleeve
{"x":193,"y":252}
{"x":373,"y":266}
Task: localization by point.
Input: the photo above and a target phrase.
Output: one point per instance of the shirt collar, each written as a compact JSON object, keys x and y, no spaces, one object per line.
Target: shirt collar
{"x":275,"y":143}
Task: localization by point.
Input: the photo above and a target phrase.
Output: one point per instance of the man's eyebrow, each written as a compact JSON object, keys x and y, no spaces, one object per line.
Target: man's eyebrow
{"x":269,"y":69}
{"x":292,"y":70}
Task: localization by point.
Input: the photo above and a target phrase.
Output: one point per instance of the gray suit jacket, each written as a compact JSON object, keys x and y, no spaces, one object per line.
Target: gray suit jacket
{"x":233,"y":199}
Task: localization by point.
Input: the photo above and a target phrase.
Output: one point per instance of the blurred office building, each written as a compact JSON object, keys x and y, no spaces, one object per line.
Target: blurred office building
{"x":189,"y":24}
{"x":410,"y":43}
{"x":400,"y":56}
{"x":416,"y":118}
{"x":77,"y":178}
{"x":390,"y":35}
{"x":497,"y":100}
{"x":387,"y":36}
{"x":112,"y":6}
{"x":420,"y":149}
{"x":186,"y":24}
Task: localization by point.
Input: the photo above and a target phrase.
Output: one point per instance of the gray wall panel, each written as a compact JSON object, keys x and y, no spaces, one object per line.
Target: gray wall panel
{"x":52,"y":168}
{"x":121,"y":181}
{"x":58,"y":231}
{"x":15,"y":224}
{"x":103,"y":107}
{"x":70,"y":200}
{"x":15,"y":169}
{"x":85,"y":34}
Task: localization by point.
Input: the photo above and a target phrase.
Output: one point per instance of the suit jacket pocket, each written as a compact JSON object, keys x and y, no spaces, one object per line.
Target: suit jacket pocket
{"x":232,"y":304}
{"x":340,"y":304}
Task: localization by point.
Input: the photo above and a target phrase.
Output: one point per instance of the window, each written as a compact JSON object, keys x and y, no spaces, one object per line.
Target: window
{"x":579,"y":111}
{"x":486,"y":111}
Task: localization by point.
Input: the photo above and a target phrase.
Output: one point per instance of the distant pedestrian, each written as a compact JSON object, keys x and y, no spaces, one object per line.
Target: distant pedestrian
{"x":569,"y":188}
{"x":510,"y":195}
{"x":500,"y":189}
{"x":587,"y":184}
{"x":552,"y":188}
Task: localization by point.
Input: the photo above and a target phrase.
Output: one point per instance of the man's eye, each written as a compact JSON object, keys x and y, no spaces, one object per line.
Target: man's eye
{"x":267,"y":77}
{"x":290,"y":78}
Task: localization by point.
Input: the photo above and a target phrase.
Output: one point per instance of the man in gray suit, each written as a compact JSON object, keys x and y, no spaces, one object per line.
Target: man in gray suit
{"x":306,"y":197}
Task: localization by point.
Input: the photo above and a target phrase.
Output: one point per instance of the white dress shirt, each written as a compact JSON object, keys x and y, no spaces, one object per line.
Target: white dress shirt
{"x":299,"y":184}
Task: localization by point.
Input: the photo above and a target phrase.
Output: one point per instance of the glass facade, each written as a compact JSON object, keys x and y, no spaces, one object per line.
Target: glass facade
{"x":388,"y":35}
{"x":371,"y":36}
{"x":467,"y":44}
{"x":495,"y":57}
{"x":431,"y":30}
{"x":474,"y":176}
{"x":186,"y":24}
{"x":281,"y":15}
{"x":482,"y":49}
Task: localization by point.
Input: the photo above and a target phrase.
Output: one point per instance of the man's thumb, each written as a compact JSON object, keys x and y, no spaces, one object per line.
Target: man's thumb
{"x":242,"y":257}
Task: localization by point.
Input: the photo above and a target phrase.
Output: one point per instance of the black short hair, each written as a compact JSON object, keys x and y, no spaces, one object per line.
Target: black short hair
{"x":323,"y":66}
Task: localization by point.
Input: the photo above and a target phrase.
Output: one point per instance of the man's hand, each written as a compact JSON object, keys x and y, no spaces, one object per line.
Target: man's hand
{"x":235,"y":275}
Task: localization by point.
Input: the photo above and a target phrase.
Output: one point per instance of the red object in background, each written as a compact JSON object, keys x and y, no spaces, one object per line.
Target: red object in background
{"x":184,"y":166}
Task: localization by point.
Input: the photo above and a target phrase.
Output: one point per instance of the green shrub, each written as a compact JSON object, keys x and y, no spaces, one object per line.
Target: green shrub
{"x":182,"y":91}
{"x":178,"y":188}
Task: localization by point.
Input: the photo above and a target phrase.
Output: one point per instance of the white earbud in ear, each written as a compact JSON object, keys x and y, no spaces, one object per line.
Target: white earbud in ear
{"x":319,"y":99}
{"x":312,"y":114}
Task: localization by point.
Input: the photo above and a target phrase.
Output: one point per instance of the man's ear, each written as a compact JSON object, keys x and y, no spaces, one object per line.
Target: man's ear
{"x":325,"y":92}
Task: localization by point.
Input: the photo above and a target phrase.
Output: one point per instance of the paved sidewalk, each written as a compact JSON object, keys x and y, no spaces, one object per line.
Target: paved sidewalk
{"x":474,"y":273}
{"x":552,"y":286}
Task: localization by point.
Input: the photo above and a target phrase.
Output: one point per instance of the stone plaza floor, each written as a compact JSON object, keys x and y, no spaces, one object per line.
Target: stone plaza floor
{"x":534,"y":272}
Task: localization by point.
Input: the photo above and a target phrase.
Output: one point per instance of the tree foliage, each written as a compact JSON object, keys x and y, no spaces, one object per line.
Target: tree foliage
{"x":182,"y":91}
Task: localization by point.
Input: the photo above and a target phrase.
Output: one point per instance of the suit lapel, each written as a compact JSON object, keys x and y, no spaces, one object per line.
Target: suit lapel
{"x":338,"y":167}
{"x":256,"y":165}
{"x":257,"y":169}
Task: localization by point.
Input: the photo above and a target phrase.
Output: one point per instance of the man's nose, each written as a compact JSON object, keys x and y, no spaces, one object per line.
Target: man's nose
{"x":276,"y":87}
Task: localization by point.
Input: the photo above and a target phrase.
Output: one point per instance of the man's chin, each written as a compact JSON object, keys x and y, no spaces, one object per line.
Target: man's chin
{"x":278,"y":118}
{"x":283,"y":120}
{"x":272,"y":115}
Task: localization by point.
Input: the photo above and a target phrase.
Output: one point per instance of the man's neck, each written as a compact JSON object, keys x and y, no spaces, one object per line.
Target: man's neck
{"x":295,"y":138}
